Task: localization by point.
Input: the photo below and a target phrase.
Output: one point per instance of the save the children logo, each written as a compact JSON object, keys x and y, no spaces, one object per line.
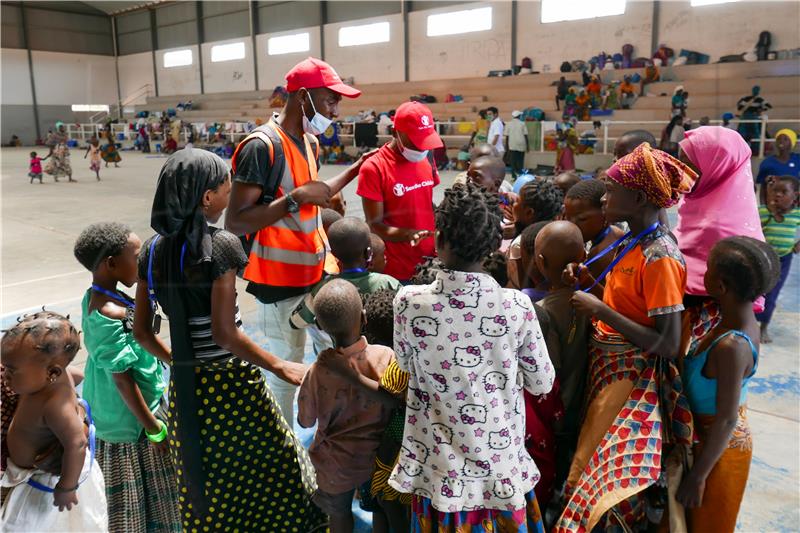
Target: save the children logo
{"x":400,"y":190}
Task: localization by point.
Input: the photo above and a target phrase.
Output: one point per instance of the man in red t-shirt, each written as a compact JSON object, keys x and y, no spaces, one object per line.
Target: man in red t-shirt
{"x":396,"y":189}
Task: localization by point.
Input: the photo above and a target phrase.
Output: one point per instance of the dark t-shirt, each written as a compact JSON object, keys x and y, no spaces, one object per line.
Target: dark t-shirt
{"x":253,"y":167}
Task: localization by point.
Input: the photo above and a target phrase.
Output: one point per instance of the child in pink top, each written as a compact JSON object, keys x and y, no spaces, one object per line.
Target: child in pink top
{"x":36,"y":168}
{"x":350,"y":421}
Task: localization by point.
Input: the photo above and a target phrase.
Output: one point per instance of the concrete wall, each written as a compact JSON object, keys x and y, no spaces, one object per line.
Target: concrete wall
{"x":548,"y":45}
{"x":730,"y":28}
{"x":272,"y":69}
{"x":178,"y":80}
{"x":227,"y":76}
{"x":61,"y":80}
{"x":135,"y":71}
{"x":369,"y":63}
{"x":459,"y":56}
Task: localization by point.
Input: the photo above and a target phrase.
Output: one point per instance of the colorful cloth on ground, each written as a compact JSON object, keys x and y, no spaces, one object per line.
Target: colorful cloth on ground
{"x":140,"y":487}
{"x":782,"y":236}
{"x":425,"y":518}
{"x":662,"y":177}
{"x":702,"y":391}
{"x":635,"y":406}
{"x":722,"y":203}
{"x":726,"y":482}
{"x":649,"y":281}
{"x":258,"y":475}
{"x":394,"y":381}
{"x":113,"y":350}
{"x":470,"y":347}
{"x":28,"y":509}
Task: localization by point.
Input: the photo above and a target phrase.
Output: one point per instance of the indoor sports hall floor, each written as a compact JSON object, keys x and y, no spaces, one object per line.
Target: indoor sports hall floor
{"x":40,"y":224}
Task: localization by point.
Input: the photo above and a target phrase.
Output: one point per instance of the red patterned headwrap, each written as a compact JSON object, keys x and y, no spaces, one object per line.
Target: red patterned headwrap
{"x":662,"y":177}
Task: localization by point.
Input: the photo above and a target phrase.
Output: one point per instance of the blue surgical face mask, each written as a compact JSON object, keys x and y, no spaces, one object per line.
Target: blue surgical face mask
{"x":318,"y":124}
{"x":411,"y":155}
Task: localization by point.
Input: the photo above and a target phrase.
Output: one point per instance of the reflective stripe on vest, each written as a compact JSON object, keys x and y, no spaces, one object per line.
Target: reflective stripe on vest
{"x":291,"y":251}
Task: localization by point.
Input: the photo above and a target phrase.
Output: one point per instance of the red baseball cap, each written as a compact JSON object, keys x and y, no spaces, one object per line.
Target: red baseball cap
{"x":312,"y":73}
{"x":416,"y":120}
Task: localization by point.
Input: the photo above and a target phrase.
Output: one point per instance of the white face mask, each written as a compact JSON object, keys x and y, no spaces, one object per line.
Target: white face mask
{"x":412,"y":155}
{"x":318,"y":124}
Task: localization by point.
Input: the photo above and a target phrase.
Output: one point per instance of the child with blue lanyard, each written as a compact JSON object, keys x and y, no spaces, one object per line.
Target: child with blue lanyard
{"x":125,"y":384}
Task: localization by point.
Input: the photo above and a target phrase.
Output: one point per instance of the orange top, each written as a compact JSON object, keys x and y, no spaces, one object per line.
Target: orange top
{"x":626,"y":88}
{"x":649,"y":281}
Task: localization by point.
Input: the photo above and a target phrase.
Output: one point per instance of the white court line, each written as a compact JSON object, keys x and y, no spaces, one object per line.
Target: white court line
{"x":20,"y":312}
{"x":37,"y":280}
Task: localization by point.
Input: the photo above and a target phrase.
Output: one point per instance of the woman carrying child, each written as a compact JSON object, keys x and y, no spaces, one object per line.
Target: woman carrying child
{"x":109,"y":151}
{"x":59,"y":153}
{"x":633,"y":404}
{"x":716,"y":373}
{"x":471,"y":348}
{"x":239,"y":465}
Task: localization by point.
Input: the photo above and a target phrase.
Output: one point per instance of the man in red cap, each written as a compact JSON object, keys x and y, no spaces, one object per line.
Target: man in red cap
{"x":275,"y":201}
{"x":396,"y":189}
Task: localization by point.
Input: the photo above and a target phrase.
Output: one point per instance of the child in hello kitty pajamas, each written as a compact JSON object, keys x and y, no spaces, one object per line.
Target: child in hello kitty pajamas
{"x":470,"y":347}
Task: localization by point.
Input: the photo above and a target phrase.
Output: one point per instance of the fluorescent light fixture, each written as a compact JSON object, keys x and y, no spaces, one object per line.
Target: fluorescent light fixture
{"x":456,"y":22}
{"x":561,"y":10}
{"x":289,"y":44}
{"x":227,"y":52}
{"x":178,"y":58}
{"x":90,"y":107}
{"x":364,"y":34}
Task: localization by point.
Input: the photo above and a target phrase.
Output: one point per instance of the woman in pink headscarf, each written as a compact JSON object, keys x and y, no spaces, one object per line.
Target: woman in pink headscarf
{"x":721,"y":204}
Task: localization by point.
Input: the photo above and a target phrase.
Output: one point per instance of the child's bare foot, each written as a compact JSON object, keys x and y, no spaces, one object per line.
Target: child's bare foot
{"x":765,"y":337}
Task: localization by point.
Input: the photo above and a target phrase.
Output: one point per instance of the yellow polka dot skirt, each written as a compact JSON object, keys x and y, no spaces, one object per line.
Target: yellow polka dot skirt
{"x":258,"y":475}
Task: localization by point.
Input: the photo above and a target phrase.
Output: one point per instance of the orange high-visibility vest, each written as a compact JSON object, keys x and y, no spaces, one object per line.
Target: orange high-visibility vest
{"x":290,"y":252}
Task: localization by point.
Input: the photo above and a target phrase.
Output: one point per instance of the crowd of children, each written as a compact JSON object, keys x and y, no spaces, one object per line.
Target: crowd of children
{"x":525,"y":379}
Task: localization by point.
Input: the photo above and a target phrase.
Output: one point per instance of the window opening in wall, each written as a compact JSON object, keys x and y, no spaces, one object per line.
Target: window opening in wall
{"x":177,"y":58}
{"x":698,"y":3}
{"x":364,"y":34}
{"x":561,"y":10}
{"x":94,"y":108}
{"x":227,"y":52}
{"x":455,"y":22}
{"x":289,"y":44}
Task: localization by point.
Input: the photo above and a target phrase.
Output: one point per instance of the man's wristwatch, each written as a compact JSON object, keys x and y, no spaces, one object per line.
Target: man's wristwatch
{"x":291,"y":204}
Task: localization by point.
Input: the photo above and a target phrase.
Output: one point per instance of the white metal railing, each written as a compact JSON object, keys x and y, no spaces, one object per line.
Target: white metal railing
{"x":604,"y":140}
{"x":145,"y":90}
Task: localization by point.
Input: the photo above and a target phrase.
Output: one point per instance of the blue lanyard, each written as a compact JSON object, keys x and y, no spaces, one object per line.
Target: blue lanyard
{"x":115,"y":296}
{"x":603,"y":234}
{"x":354,"y":271}
{"x":92,"y":448}
{"x":648,"y":230}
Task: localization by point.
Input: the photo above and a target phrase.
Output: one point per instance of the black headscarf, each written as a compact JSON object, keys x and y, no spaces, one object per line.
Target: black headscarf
{"x":184,"y":179}
{"x":178,"y":217}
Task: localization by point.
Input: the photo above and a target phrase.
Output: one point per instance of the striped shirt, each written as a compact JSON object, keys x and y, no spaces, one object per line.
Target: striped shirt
{"x":205,"y":349}
{"x":782,"y":236}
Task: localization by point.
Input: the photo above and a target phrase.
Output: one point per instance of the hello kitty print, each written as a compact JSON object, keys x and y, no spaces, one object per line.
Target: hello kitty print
{"x":470,"y":347}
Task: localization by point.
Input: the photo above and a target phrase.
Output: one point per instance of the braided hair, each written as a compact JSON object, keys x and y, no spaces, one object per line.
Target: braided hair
{"x":380,"y":317}
{"x":425,"y":272}
{"x":747,"y":266}
{"x":543,"y":197}
{"x":469,"y":221}
{"x":52,"y":334}
{"x":496,"y":265}
{"x":591,"y":191}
